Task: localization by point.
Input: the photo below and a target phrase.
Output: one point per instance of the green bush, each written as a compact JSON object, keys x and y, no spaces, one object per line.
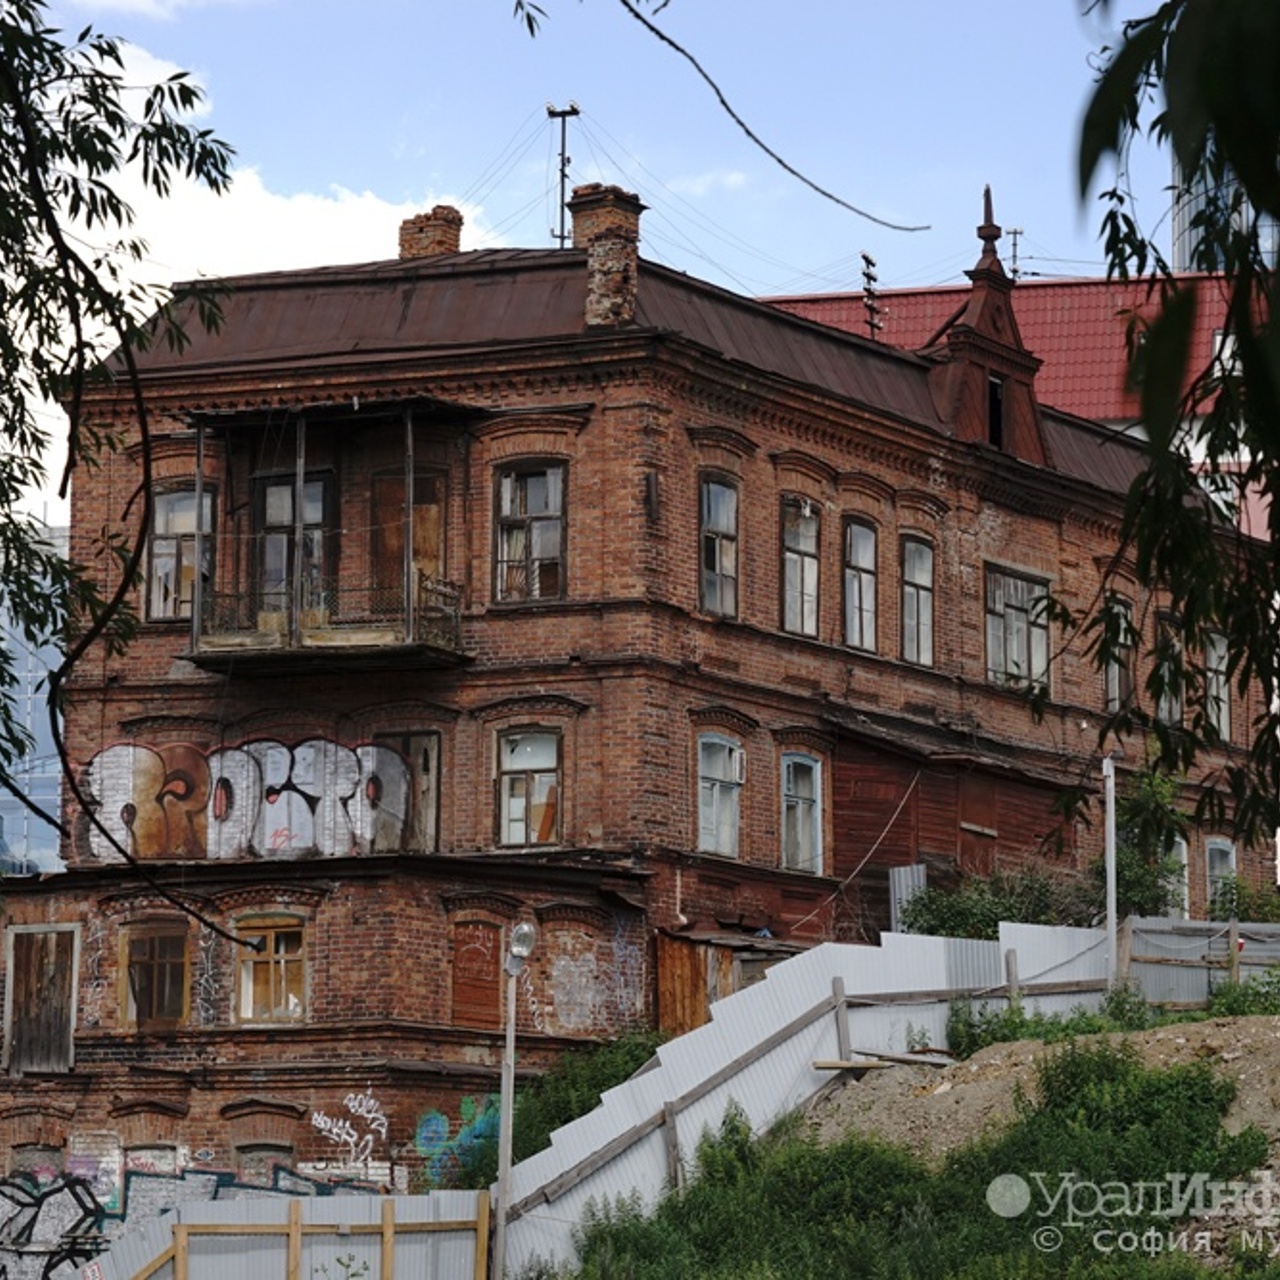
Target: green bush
{"x":569,"y":1090}
{"x":1123,"y":1009}
{"x":781,"y":1206}
{"x":1257,"y":995}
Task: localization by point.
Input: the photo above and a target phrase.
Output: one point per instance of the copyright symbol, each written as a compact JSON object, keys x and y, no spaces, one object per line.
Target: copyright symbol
{"x":1047,"y":1239}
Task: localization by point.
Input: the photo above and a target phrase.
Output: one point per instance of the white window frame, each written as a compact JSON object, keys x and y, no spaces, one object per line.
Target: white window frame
{"x":860,"y":585}
{"x":1017,"y":631}
{"x":1179,"y":851}
{"x":917,"y":605}
{"x":720,"y":797}
{"x":507,"y":817}
{"x":801,"y":545}
{"x":718,"y":557}
{"x":180,"y":547}
{"x":1218,"y":848}
{"x":1119,"y":676}
{"x":801,"y":812}
{"x":1217,"y":684}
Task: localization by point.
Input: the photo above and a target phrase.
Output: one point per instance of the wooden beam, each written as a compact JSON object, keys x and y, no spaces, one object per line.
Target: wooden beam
{"x":388,"y":1240}
{"x":293,"y":1258}
{"x":481,"y":1270}
{"x":180,"y":1254}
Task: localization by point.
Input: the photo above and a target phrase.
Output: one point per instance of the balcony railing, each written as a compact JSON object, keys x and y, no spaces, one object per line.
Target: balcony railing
{"x":332,"y":615}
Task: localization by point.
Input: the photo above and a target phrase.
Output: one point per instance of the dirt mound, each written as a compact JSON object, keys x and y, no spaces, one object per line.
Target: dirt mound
{"x":932,"y":1110}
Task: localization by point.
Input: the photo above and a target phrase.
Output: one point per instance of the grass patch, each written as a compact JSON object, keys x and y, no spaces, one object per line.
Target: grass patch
{"x":781,"y":1206}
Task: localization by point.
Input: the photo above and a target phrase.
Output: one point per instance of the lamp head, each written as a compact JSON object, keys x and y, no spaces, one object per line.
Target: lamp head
{"x":523,"y":936}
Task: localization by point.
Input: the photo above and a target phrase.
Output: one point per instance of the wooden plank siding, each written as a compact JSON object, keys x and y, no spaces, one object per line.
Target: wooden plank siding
{"x":43,"y":976}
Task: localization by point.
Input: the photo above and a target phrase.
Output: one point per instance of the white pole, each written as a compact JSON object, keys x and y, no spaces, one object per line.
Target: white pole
{"x":505,"y":1109}
{"x":1109,"y":856}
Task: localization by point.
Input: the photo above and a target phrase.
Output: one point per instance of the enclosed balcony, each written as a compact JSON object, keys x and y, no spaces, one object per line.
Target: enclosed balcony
{"x":337,"y":562}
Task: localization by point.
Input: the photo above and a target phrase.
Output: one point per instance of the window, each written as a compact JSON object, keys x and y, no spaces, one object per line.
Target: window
{"x":287,"y":544}
{"x":425,"y":524}
{"x":529,"y":787}
{"x":273,"y":976}
{"x":1119,"y":668}
{"x":171,"y":574}
{"x":1017,"y":630}
{"x":801,"y":813}
{"x":530,"y":562}
{"x":917,"y":602}
{"x":1220,"y":862}
{"x":859,"y":586}
{"x":1217,"y":687}
{"x":1168,"y":673}
{"x":40,"y":998}
{"x":718,"y":535}
{"x":720,"y":775}
{"x":995,"y":410}
{"x":799,"y":567}
{"x":1179,"y":881}
{"x":156,"y":990}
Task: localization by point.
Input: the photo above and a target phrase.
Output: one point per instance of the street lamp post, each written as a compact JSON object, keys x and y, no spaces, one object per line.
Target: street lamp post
{"x":519,"y":949}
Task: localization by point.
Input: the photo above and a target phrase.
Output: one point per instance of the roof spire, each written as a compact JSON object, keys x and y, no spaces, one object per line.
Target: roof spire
{"x":989,"y":232}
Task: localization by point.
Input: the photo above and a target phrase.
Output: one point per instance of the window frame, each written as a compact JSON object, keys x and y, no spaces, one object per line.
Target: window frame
{"x":178,"y":607}
{"x":1119,"y":684}
{"x":509,"y":522}
{"x":861,"y":584}
{"x":725,"y":795}
{"x":502,"y":776}
{"x":1214,"y":882}
{"x":1008,"y":618}
{"x":719,"y":558}
{"x":320,"y":562}
{"x":801,"y":566}
{"x":808,"y":810}
{"x":1171,"y":704}
{"x":155,"y":931}
{"x":1217,"y":684}
{"x":272,"y":924}
{"x":917,"y":601}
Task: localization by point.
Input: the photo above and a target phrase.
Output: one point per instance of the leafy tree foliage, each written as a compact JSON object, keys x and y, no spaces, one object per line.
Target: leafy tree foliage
{"x":71,"y":131}
{"x":1203,"y":77}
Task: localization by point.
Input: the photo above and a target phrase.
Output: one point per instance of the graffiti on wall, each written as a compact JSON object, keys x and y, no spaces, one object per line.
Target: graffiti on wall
{"x":445,"y":1155}
{"x":575,"y":985}
{"x":59,"y":1221}
{"x":261,"y":797}
{"x":204,"y":987}
{"x":355,"y":1138}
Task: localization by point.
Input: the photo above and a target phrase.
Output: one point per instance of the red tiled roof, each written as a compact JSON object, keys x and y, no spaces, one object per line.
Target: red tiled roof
{"x":1076,"y":327}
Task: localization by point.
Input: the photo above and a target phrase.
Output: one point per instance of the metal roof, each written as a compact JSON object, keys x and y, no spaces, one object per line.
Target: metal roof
{"x":491,"y":300}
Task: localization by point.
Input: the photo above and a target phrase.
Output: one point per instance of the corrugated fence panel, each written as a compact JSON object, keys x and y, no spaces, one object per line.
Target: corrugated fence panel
{"x":1048,"y":953}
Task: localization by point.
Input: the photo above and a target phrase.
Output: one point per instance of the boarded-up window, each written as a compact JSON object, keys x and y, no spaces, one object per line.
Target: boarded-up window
{"x":978,"y":824}
{"x":477,"y":974}
{"x":427,"y":522}
{"x":41,"y":993}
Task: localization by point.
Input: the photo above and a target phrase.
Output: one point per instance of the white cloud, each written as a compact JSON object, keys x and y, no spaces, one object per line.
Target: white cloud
{"x":251,"y":228}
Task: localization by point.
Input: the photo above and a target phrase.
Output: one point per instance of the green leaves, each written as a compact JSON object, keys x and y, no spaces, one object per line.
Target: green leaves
{"x":69,"y":135}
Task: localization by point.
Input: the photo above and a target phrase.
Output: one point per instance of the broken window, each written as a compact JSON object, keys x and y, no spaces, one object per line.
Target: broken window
{"x":1217,"y":685}
{"x":171,"y":553}
{"x":721,"y":767}
{"x":800,"y":566}
{"x":859,"y":586}
{"x":529,"y":787}
{"x":1017,"y":630}
{"x":272,"y":970}
{"x":156,"y":991}
{"x":291,"y":544}
{"x":530,"y":534}
{"x":718,"y":537}
{"x":1119,"y":667}
{"x":801,"y":813}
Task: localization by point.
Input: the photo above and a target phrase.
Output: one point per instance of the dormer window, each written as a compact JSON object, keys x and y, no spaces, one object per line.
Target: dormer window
{"x":995,"y":410}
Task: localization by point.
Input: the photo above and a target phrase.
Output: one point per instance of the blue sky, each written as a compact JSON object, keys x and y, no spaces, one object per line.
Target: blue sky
{"x":346,"y":118}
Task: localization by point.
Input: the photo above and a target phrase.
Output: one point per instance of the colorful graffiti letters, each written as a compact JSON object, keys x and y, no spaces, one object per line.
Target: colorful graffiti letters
{"x":261,"y":797}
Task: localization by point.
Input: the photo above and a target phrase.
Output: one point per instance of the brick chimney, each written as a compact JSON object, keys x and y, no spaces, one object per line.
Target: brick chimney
{"x":428,"y":235}
{"x":606,"y":223}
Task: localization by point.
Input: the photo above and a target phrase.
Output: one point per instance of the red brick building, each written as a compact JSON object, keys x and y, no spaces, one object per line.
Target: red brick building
{"x":534,"y":584}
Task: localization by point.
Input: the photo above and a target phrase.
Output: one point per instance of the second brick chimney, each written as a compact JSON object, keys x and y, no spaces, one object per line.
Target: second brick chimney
{"x":428,"y":235}
{"x":606,"y":223}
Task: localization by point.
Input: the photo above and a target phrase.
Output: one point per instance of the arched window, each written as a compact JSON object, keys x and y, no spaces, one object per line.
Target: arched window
{"x":721,"y":770}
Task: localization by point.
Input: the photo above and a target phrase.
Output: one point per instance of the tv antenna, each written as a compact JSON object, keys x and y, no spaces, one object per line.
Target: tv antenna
{"x":1014,"y":233}
{"x":562,"y":114}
